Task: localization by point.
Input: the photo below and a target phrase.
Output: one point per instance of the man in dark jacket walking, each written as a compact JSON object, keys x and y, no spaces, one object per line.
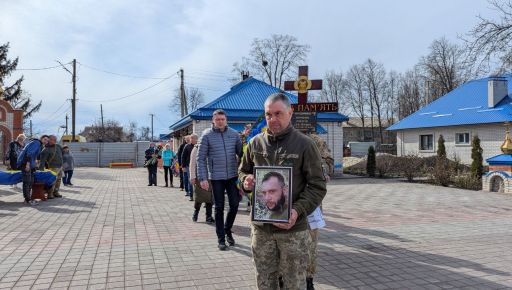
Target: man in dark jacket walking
{"x":185,"y":159}
{"x":180,"y":152}
{"x":217,"y":161}
{"x":152,"y":155}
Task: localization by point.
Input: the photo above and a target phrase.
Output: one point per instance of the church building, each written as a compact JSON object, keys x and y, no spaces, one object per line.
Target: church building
{"x":243,"y":104}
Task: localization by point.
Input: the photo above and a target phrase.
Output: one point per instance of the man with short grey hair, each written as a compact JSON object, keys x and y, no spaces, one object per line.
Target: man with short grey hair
{"x":219,"y":148}
{"x":281,"y":248}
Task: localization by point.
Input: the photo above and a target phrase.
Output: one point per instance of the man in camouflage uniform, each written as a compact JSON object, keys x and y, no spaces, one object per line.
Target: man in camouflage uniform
{"x":278,"y":248}
{"x":328,"y":169}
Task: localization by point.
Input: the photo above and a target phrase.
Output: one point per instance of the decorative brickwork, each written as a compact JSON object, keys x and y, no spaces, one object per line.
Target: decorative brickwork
{"x":11,"y":124}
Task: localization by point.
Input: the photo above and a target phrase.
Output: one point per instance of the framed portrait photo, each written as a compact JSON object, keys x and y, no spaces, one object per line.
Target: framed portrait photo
{"x":272,"y":200}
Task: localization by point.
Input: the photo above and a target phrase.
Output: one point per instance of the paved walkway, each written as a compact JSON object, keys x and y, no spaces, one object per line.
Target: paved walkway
{"x":113,"y":231}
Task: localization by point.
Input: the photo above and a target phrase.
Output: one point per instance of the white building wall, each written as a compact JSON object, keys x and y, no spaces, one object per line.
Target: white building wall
{"x":491,"y":137}
{"x":334,"y":139}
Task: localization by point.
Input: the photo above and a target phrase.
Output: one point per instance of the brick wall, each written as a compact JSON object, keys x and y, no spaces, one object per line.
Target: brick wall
{"x":491,"y":137}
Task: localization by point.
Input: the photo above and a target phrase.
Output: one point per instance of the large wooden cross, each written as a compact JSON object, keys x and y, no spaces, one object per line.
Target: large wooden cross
{"x":304,"y":116}
{"x":302,"y":85}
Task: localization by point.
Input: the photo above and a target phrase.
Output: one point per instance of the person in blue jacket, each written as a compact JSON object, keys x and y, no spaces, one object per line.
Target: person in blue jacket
{"x":168,"y":158}
{"x":27,"y":163}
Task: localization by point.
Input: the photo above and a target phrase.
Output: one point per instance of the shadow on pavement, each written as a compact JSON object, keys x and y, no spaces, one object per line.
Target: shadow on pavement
{"x":378,"y":264}
{"x":375,"y":263}
{"x":241,"y":249}
{"x":56,"y":205}
{"x":62,"y":205}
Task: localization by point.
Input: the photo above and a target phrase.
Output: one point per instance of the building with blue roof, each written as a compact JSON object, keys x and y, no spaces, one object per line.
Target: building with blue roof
{"x":477,"y":108}
{"x":243,"y":104}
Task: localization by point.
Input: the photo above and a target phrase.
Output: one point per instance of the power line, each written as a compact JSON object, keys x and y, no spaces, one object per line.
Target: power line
{"x":159,"y":121}
{"x":132,"y":94}
{"x":41,"y":68}
{"x":53,"y":114}
{"x":119,"y":74}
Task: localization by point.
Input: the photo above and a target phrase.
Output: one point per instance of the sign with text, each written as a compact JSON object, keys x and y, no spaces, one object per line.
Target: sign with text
{"x":304,"y":121}
{"x":315,"y":107}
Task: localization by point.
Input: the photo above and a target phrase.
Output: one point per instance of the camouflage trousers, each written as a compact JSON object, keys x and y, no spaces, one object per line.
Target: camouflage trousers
{"x":313,"y":253}
{"x":56,"y":186}
{"x":284,"y":254}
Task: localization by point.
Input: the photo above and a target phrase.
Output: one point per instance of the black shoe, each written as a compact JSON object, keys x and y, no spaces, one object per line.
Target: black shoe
{"x":210,"y":220}
{"x":70,"y":184}
{"x":229,"y":238}
{"x":166,"y":185}
{"x":191,"y":198}
{"x":194,"y":216}
{"x":281,"y":282}
{"x":222,"y":246}
{"x":150,"y":184}
{"x":309,"y":284}
{"x":172,"y":185}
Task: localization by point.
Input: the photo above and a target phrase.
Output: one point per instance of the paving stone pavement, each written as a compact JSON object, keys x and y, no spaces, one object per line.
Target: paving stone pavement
{"x":113,"y":231}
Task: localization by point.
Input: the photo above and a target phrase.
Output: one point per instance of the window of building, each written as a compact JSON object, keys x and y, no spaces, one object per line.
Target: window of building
{"x":427,"y":142}
{"x":462,"y":138}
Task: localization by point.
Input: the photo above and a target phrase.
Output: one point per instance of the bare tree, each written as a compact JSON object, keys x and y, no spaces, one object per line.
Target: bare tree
{"x":274,"y":59}
{"x":489,"y":43}
{"x":410,"y":93}
{"x":333,"y":86}
{"x":195,"y":98}
{"x":442,"y":69}
{"x":375,"y":84}
{"x":131,"y":135}
{"x":145,"y":134}
{"x":111,"y":131}
{"x":355,"y":93}
{"x":392,"y":105}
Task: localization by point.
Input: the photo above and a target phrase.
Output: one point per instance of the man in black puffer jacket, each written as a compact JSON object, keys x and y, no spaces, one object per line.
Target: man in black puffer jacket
{"x":217,"y":161}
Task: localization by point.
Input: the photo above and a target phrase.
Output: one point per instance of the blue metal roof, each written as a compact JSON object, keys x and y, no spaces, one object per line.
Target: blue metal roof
{"x":244,"y":102}
{"x":502,"y":159}
{"x":466,"y":105}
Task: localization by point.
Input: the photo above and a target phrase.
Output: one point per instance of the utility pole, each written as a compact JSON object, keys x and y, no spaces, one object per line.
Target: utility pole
{"x":31,"y":128}
{"x":73,"y":100}
{"x":102,"y":124}
{"x":183,"y":97}
{"x":152,"y":136}
{"x":73,"y":103}
{"x":67,"y":132}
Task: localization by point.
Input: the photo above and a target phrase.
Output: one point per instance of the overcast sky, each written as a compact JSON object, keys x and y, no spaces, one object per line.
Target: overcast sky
{"x":156,"y":38}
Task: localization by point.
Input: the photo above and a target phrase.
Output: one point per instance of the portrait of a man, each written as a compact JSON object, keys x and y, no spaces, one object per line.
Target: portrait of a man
{"x":272,"y":198}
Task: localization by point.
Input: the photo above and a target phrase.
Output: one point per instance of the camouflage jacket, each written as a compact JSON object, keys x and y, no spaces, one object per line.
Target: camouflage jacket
{"x":294,"y":149}
{"x":325,"y":152}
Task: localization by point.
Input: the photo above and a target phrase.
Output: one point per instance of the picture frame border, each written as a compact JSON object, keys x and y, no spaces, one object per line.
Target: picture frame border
{"x":290,"y":195}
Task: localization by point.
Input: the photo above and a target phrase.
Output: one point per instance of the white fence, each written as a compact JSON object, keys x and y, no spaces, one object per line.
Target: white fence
{"x":102,"y":154}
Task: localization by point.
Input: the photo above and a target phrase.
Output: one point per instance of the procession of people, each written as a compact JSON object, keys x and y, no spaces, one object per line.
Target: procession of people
{"x":218,"y":163}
